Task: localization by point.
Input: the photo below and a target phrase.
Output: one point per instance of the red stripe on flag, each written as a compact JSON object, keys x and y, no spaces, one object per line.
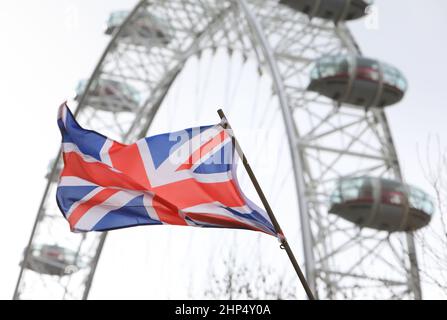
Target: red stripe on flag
{"x":128,"y":160}
{"x":97,"y":199}
{"x":167,"y":212}
{"x":190,"y":192}
{"x":203,"y":150}
{"x":97,"y":172}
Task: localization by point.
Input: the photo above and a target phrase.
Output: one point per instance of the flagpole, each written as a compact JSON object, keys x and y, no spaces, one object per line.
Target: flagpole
{"x":283,"y":240}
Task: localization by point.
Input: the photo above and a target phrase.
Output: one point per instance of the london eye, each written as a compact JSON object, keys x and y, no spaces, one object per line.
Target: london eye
{"x":291,"y":77}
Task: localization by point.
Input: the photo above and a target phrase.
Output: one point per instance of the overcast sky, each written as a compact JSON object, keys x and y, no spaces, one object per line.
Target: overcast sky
{"x":49,"y":45}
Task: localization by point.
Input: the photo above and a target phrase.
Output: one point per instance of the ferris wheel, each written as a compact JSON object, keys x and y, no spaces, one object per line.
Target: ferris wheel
{"x":288,"y":64}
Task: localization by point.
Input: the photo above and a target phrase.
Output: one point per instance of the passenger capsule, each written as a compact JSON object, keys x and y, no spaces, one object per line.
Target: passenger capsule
{"x":335,"y":10}
{"x":109,"y":95}
{"x":143,"y":29}
{"x":357,"y":81}
{"x":52,"y":260}
{"x":381,"y":204}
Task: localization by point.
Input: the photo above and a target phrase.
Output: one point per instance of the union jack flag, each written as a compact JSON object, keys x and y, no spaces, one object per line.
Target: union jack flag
{"x":180,"y":178}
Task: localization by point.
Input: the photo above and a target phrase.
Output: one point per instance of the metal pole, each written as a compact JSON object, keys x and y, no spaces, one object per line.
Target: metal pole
{"x":89,"y":281}
{"x":414,"y":277}
{"x":284,"y":243}
{"x":16,"y":295}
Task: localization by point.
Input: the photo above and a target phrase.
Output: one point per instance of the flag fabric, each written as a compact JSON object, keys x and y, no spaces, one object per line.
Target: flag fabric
{"x":181,"y":178}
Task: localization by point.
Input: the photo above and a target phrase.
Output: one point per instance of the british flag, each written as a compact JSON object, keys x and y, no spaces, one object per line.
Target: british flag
{"x":181,"y":178}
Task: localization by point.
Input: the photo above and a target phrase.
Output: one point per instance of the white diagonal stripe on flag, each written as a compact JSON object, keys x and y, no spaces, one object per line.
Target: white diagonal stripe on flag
{"x":96,"y":213}
{"x":86,"y":198}
{"x":71,"y":181}
{"x":104,"y":153}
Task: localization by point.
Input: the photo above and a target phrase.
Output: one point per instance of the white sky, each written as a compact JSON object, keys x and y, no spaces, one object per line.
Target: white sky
{"x":49,"y":45}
